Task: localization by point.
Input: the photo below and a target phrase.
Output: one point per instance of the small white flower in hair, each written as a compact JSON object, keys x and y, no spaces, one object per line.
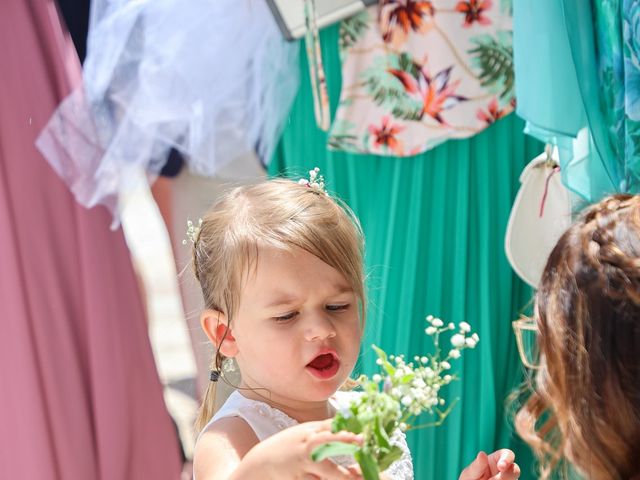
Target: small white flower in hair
{"x":192,"y":231}
{"x":315,"y":180}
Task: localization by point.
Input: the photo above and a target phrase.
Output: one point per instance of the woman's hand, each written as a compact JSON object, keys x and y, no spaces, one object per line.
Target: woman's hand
{"x":500,"y":465}
{"x":287,"y":454}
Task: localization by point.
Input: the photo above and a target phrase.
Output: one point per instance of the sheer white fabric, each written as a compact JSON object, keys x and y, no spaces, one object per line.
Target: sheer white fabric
{"x":212,"y":78}
{"x":266,"y":421}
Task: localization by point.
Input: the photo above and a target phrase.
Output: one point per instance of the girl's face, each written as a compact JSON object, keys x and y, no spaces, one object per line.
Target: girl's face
{"x":297,"y":329}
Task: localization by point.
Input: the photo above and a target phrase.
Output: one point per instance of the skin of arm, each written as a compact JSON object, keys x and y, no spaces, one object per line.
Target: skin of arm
{"x":220,"y":450}
{"x":230,"y":450}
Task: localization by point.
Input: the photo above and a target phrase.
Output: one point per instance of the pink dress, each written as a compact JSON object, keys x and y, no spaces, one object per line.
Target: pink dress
{"x":80,"y":398}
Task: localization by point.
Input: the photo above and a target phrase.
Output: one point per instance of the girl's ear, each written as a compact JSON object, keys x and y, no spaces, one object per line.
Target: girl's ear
{"x":216,"y":326}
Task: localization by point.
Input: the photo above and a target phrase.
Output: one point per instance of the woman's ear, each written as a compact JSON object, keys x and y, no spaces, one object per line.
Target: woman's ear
{"x":216,"y":326}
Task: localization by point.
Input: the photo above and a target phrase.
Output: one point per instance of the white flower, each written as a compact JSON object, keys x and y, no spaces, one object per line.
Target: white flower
{"x":465,"y":327}
{"x":406,"y":400}
{"x":471,"y":342}
{"x":377,"y":378}
{"x":451,"y":326}
{"x":424,"y":359}
{"x":346,"y":412}
{"x":447,"y":378}
{"x":430,"y":330}
{"x":457,"y":340}
{"x":475,"y":337}
{"x":379,"y":362}
{"x":429,"y":318}
{"x":437,"y":323}
{"x":403,"y":427}
{"x":445,"y":365}
{"x":454,"y":353}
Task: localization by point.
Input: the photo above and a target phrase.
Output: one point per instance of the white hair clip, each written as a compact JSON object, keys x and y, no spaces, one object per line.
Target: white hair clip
{"x":192,"y":231}
{"x":315,"y":180}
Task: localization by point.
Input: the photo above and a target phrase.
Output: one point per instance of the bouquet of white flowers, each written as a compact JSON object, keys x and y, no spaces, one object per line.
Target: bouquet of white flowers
{"x":393,"y":398}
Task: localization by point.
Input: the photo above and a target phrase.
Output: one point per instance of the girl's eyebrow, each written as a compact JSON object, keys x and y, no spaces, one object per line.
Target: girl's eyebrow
{"x":283,"y":298}
{"x":340,"y":289}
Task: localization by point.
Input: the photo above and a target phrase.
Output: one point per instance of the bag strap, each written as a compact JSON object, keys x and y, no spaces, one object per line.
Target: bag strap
{"x":316,"y":69}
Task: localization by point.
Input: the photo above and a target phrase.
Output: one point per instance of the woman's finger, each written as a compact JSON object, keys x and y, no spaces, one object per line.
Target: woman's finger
{"x":501,"y":460}
{"x":512,"y":474}
{"x":478,"y":469}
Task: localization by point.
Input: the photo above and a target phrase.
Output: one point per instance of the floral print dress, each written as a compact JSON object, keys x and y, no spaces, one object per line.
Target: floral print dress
{"x":417,"y":73}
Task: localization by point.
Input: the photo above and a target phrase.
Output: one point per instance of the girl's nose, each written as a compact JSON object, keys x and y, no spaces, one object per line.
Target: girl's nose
{"x":319,"y":328}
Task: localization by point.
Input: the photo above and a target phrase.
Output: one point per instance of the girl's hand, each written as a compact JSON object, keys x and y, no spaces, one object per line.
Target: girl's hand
{"x":287,"y":454}
{"x":500,"y":465}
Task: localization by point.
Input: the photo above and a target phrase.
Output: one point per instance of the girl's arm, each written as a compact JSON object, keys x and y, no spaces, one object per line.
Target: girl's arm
{"x":229,"y":450}
{"x":220,"y":450}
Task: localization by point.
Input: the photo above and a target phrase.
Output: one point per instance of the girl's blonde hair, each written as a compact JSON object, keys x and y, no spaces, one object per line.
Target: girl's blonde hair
{"x":585,"y":408}
{"x":280,"y":214}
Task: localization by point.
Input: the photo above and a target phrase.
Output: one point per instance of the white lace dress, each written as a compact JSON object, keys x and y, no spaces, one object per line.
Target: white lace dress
{"x":266,"y":420}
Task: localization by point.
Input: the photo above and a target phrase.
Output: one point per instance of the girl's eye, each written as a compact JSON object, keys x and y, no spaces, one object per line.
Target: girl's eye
{"x":338,"y":308}
{"x":287,"y":317}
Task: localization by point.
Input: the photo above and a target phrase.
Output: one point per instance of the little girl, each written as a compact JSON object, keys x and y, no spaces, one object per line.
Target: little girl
{"x":280,"y":266}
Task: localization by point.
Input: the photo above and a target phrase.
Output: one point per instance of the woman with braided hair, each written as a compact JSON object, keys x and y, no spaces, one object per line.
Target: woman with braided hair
{"x":585,"y":407}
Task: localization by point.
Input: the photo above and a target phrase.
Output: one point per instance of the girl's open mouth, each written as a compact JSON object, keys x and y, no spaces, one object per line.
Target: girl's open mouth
{"x":324,"y":366}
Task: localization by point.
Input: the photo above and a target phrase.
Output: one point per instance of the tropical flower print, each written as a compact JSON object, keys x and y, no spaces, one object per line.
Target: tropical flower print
{"x":435,"y":93}
{"x":474,"y":11}
{"x":385,"y":136}
{"x":493,"y":112}
{"x":413,"y":76}
{"x":400,"y":17}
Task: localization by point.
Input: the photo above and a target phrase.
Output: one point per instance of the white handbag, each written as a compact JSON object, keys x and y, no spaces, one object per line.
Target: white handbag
{"x":541,"y":213}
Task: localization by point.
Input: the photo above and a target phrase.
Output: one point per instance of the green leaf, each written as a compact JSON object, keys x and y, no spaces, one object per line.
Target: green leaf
{"x":352,"y":29}
{"x":388,"y":458}
{"x":368,"y":465}
{"x":390,"y":426}
{"x":407,"y":378}
{"x":343,"y":142}
{"x":407,"y":111}
{"x":382,"y":438}
{"x":406,"y":64}
{"x":390,"y":369}
{"x":493,"y":57}
{"x":353,"y":425}
{"x":388,"y":91}
{"x":333,"y":449}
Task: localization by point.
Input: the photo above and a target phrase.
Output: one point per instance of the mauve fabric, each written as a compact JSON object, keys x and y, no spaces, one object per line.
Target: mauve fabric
{"x":79,"y":393}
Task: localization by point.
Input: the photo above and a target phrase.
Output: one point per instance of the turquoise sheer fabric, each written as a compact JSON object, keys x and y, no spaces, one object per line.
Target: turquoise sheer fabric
{"x":577,"y":86}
